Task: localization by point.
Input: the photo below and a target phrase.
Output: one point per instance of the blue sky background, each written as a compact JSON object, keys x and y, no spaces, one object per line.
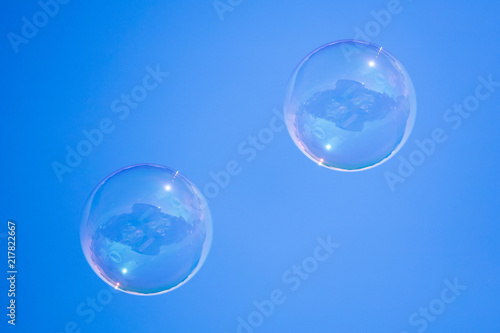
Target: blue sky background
{"x":225,"y":78}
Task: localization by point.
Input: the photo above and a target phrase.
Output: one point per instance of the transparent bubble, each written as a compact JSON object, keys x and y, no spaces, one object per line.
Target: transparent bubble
{"x":146,"y":229}
{"x":350,"y":105}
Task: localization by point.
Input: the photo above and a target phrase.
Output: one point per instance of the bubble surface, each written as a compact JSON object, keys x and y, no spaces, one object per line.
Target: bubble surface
{"x":146,"y":229}
{"x":350,"y":105}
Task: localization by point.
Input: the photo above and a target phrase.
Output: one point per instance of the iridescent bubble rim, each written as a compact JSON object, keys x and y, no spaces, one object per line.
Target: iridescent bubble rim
{"x":298,"y":92}
{"x":89,"y":229}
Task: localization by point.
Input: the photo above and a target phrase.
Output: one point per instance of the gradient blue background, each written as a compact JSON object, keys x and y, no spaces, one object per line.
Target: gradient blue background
{"x":225,"y":79}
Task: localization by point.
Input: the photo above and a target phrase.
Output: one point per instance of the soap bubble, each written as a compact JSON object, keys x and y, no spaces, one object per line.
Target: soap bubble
{"x":350,"y":105}
{"x":146,"y":229}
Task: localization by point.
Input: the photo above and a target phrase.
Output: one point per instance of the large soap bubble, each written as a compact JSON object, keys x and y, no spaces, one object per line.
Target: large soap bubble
{"x":350,"y":105}
{"x":146,"y":229}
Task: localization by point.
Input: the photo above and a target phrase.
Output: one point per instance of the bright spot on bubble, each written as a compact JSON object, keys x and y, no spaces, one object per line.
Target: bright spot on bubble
{"x":161,"y":237}
{"x":362,"y":114}
{"x":168,"y":187}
